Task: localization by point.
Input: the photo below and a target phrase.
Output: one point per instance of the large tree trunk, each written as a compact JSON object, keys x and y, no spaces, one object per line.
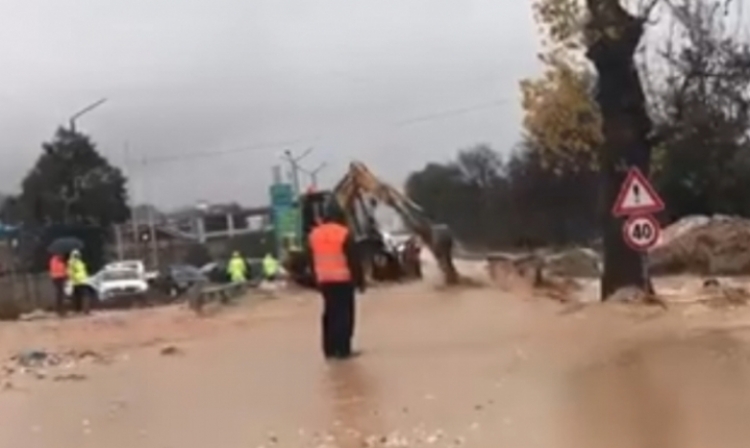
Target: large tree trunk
{"x":614,"y":37}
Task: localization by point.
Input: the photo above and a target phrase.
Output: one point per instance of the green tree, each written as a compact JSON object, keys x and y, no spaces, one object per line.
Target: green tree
{"x":703,"y":163}
{"x":71,"y":183}
{"x":491,"y":204}
{"x":463,"y":193}
{"x":551,"y":209}
{"x":440,"y":191}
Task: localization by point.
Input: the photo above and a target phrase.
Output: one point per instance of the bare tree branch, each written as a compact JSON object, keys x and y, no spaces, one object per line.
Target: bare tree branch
{"x":647,"y":8}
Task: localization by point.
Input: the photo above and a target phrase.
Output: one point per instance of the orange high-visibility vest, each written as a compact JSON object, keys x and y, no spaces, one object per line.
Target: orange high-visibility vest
{"x":329,"y":260}
{"x":57,"y":268}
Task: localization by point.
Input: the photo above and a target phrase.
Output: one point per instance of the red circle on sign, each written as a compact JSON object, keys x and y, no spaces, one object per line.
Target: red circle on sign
{"x":641,"y":232}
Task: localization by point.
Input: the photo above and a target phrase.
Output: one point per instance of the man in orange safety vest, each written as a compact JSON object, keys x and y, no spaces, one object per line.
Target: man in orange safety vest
{"x":58,"y":272}
{"x":338,"y":271}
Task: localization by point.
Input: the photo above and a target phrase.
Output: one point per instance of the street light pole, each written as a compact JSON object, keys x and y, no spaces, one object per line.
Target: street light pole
{"x":151,"y":224}
{"x":294,"y":164}
{"x":314,"y":174}
{"x":135,"y":240}
{"x":84,"y":111}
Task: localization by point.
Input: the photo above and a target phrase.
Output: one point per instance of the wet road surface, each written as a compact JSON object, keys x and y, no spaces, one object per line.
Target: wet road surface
{"x":474,"y":368}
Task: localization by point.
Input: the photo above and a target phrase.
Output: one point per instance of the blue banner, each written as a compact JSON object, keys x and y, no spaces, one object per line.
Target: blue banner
{"x":285,"y":216}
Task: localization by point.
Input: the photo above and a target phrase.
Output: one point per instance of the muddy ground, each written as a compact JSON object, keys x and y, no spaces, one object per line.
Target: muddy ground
{"x":473,"y":367}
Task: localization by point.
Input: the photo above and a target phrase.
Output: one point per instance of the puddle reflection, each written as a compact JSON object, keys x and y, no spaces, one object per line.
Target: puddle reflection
{"x":351,"y":391}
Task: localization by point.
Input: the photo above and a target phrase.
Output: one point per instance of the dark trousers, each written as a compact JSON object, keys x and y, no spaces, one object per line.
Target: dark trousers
{"x":338,"y":318}
{"x":59,"y":285}
{"x":81,"y":299}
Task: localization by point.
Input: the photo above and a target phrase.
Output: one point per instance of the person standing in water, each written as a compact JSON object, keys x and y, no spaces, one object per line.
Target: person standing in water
{"x":58,"y":273}
{"x":338,"y":272}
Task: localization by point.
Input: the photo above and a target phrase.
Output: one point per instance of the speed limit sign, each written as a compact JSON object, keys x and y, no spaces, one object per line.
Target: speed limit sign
{"x":641,"y":232}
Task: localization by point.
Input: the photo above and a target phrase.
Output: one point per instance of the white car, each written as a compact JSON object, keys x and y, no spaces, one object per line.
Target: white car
{"x":112,"y":284}
{"x":136,"y":265}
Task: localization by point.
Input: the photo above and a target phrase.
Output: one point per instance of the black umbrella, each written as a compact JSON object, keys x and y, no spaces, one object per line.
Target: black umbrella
{"x":65,"y":245}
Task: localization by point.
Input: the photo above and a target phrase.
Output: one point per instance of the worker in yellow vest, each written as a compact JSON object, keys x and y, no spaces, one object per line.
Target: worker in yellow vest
{"x":270,"y":268}
{"x":236,"y":268}
{"x":78,"y":277}
{"x":338,"y":271}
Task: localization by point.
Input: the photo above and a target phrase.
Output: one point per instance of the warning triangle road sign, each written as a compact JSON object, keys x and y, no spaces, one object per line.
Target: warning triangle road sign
{"x":637,"y":196}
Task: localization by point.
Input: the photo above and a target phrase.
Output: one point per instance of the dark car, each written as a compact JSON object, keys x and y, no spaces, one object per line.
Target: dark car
{"x":177,"y":279}
{"x":215,"y":272}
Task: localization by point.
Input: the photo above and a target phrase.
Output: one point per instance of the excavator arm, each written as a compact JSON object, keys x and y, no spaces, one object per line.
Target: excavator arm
{"x":359,"y":181}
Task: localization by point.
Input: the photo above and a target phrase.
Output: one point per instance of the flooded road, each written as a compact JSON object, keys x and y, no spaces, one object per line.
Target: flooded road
{"x":689,"y":392}
{"x":475,"y":367}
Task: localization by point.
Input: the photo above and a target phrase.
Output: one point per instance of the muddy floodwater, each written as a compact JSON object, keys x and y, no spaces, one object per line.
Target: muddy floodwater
{"x":474,"y":367}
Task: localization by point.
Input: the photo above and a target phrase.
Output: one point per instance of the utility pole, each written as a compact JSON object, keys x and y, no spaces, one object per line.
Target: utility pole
{"x":118,"y":239}
{"x":295,"y":168}
{"x":135,"y":241}
{"x":151,"y":224}
{"x":314,"y":174}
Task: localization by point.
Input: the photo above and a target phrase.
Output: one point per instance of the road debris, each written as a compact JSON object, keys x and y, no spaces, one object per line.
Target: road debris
{"x":415,"y":437}
{"x":530,"y":274}
{"x":36,"y":314}
{"x":721,"y":296}
{"x":69,"y":377}
{"x":35,"y":358}
{"x":44,"y":364}
{"x":171,"y":350}
{"x":632,"y":294}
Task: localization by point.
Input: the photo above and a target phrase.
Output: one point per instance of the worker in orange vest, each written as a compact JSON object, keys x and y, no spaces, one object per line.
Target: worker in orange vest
{"x":58,"y":272}
{"x":338,"y":271}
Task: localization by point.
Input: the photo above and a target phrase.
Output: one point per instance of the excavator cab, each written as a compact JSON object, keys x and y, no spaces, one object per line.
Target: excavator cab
{"x":381,"y":262}
{"x":312,"y":207}
{"x":298,"y":263}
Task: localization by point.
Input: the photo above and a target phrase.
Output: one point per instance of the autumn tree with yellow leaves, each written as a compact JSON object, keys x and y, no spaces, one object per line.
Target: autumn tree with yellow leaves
{"x":561,"y":117}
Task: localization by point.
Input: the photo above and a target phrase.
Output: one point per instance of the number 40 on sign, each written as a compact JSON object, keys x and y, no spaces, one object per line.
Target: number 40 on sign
{"x":641,"y":232}
{"x":638,"y":200}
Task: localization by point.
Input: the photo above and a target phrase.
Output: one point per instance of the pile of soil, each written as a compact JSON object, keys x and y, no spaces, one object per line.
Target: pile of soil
{"x":718,"y":245}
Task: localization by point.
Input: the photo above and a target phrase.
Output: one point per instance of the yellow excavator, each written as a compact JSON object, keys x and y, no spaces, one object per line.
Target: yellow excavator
{"x":358,"y":193}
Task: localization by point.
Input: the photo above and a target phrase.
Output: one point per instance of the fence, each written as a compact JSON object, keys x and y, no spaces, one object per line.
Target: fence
{"x":26,"y":292}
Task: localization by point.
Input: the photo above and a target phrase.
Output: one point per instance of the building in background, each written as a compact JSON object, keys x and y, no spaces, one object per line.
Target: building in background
{"x":221,"y":228}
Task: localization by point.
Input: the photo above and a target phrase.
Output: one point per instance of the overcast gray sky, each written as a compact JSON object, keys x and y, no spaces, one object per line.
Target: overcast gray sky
{"x":192,"y":77}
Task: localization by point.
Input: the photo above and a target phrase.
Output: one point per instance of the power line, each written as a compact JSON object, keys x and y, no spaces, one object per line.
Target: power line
{"x":449,"y":113}
{"x":248,"y":148}
{"x":434,"y":116}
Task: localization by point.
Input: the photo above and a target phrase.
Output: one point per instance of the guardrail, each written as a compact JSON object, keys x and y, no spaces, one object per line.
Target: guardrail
{"x":216,"y":293}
